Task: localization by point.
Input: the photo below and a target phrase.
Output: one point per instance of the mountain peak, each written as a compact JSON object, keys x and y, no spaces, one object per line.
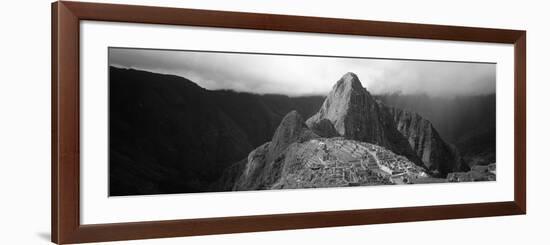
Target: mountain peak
{"x":291,"y":129}
{"x":293,"y":116}
{"x":355,"y":114}
{"x":348,"y":81}
{"x":347,"y":98}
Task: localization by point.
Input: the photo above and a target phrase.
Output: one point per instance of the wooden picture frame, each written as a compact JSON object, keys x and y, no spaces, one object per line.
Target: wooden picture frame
{"x":65,"y":175}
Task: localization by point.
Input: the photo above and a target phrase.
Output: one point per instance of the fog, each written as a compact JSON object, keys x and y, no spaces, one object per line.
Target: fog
{"x":310,"y":75}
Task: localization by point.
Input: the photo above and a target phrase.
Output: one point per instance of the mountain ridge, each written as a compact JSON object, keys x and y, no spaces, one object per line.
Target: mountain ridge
{"x":355,"y":114}
{"x":435,"y":153}
{"x":162,"y":125}
{"x":351,"y":114}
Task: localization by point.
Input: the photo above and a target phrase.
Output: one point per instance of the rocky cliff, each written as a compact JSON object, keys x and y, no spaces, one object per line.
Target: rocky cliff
{"x":307,"y":161}
{"x":264,"y":164}
{"x":298,"y":158}
{"x":424,"y":139}
{"x":355,"y":114}
{"x":355,"y":139}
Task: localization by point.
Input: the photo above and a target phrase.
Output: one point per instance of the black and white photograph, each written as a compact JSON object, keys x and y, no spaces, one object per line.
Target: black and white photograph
{"x":192,"y":121}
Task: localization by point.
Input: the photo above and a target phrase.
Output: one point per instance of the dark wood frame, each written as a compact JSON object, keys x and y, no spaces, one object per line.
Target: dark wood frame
{"x":66,"y":227}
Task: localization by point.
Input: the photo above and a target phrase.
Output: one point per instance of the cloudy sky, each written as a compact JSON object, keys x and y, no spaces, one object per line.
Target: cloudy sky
{"x":308,"y":75}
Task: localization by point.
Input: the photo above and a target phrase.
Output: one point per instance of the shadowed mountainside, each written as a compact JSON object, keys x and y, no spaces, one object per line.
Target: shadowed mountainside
{"x":467,"y":122}
{"x":424,"y":139}
{"x":168,"y":135}
{"x":264,"y":165}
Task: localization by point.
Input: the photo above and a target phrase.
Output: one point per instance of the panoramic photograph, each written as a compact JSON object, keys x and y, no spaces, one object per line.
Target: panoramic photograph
{"x":192,"y":121}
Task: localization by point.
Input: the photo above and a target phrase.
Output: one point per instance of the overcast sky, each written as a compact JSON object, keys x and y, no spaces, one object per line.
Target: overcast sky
{"x":306,"y":75}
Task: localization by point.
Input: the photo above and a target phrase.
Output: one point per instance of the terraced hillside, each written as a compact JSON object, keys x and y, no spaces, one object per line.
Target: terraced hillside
{"x":337,"y":162}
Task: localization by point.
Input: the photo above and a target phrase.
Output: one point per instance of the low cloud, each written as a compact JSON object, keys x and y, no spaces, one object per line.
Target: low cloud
{"x":306,"y":75}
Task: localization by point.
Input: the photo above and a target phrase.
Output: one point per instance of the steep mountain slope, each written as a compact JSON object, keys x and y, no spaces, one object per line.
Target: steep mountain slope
{"x":160,"y":127}
{"x":168,"y":135}
{"x":435,"y":153}
{"x":356,"y":128}
{"x":453,"y":116}
{"x":265,"y":163}
{"x":467,"y":122}
{"x":479,"y":147}
{"x":355,"y":114}
{"x":297,"y":158}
